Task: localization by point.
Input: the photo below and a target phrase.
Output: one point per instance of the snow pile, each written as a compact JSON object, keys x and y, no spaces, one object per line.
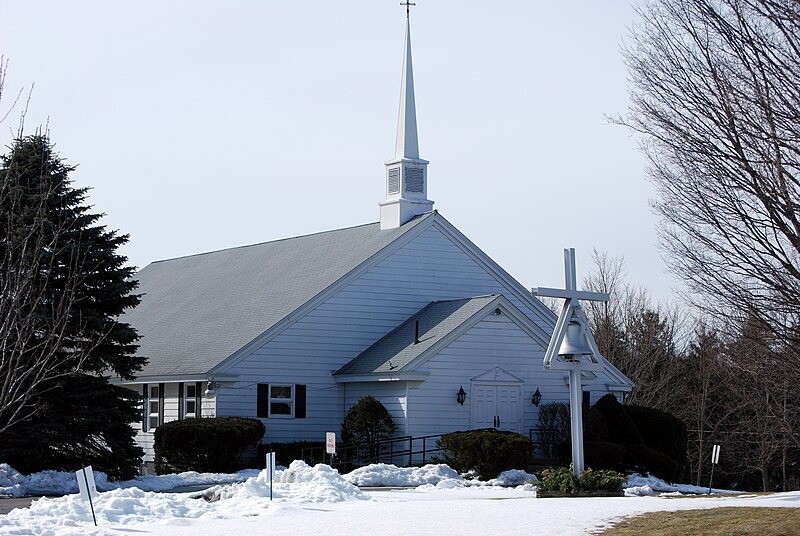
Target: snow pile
{"x":123,"y":506}
{"x":382,"y":474}
{"x":299,"y":483}
{"x":642,"y":486}
{"x":14,"y":484}
{"x":514,"y":477}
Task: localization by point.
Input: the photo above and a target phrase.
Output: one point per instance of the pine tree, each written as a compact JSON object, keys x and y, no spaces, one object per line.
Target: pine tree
{"x":63,"y":286}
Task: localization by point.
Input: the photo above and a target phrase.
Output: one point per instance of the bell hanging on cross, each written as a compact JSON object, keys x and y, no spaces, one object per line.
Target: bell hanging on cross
{"x":574,"y":344}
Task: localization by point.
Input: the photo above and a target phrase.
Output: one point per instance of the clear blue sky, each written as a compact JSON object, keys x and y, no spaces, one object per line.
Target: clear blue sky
{"x":204,"y":125}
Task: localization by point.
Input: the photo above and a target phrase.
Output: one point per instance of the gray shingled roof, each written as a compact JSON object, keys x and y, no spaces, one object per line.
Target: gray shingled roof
{"x":396,"y":350}
{"x":199,"y":310}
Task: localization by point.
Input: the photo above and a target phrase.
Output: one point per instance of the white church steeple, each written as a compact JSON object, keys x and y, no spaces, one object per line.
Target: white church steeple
{"x":406,"y":173}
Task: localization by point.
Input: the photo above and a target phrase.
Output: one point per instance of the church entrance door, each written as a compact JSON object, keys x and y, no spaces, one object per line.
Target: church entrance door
{"x":496,"y":405}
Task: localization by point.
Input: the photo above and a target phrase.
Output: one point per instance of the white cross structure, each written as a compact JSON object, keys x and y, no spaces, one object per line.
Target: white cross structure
{"x":572,"y":347}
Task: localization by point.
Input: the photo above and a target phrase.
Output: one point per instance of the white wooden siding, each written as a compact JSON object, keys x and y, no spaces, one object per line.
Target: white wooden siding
{"x":495,"y":341}
{"x":430,"y":267}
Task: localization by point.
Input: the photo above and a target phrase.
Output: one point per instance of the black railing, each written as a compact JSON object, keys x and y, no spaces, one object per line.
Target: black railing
{"x":404,"y":450}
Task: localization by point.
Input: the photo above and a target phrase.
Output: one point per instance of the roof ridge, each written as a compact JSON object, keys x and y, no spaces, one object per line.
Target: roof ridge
{"x":414,"y":221}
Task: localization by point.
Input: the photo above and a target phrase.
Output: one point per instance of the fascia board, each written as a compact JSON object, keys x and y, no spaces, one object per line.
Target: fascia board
{"x":312,"y":304}
{"x":383,"y":377}
{"x":495,"y":269}
{"x":174,"y":378}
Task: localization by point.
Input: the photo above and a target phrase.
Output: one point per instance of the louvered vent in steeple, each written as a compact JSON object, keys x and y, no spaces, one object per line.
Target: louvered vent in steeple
{"x":393,"y":180}
{"x":414,"y":180}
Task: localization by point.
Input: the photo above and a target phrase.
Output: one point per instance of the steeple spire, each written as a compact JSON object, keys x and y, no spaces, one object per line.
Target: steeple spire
{"x":406,"y":173}
{"x":407,"y":145}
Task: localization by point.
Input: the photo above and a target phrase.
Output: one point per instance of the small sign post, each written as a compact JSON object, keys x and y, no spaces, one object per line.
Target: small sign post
{"x":330,"y":444}
{"x":714,"y":461}
{"x":270,"y":470}
{"x":87,"y":488}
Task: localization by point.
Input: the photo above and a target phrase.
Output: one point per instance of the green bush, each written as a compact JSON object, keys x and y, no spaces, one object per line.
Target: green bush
{"x":489,"y":452}
{"x":559,"y":479}
{"x":562,"y":480}
{"x":661,"y":431}
{"x":211,"y":445}
{"x":367,"y":421}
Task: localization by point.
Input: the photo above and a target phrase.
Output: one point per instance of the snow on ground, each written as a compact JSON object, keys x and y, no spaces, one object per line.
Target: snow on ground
{"x":14,"y":484}
{"x":317,"y":500}
{"x":639,"y":485}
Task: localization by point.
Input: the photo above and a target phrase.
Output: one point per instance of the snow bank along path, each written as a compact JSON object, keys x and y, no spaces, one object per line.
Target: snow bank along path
{"x":317,"y":500}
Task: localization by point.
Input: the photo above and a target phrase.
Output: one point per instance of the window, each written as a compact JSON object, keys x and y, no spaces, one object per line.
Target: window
{"x":190,"y":400}
{"x":281,"y":401}
{"x":153,"y":406}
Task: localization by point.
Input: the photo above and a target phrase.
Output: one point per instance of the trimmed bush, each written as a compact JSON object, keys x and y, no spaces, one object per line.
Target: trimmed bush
{"x":608,"y":421}
{"x":661,"y":431}
{"x":210,"y":445}
{"x":605,"y":455}
{"x":649,"y":460}
{"x":489,"y":452}
{"x":562,"y":480}
{"x":367,"y":421}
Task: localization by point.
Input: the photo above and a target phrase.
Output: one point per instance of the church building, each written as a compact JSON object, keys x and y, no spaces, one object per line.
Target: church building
{"x":296,"y":331}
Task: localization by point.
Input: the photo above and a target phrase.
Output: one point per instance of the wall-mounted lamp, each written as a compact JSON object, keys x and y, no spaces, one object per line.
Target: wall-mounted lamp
{"x":537,"y":397}
{"x":210,"y":389}
{"x":461,"y":397}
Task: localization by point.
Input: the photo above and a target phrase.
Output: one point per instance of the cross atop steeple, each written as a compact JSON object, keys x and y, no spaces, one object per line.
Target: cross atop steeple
{"x":408,"y":7}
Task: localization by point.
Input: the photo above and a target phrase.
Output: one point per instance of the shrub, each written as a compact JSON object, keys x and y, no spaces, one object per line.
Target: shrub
{"x":608,"y":421}
{"x":489,"y":452}
{"x":562,"y":480}
{"x":661,"y":431}
{"x":367,"y":421}
{"x":649,"y":460}
{"x":605,"y":455}
{"x":559,"y":479}
{"x":212,"y":445}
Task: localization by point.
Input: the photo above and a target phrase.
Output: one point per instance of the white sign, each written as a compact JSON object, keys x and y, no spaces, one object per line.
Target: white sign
{"x":271,"y":463}
{"x":87,"y":488}
{"x":86,"y":485}
{"x":715,"y":454}
{"x":330,"y":442}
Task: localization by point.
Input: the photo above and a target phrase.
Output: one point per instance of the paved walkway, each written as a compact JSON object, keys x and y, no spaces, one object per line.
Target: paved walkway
{"x":8,"y":504}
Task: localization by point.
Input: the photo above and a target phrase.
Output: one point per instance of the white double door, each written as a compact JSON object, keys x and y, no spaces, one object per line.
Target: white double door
{"x":497,"y":405}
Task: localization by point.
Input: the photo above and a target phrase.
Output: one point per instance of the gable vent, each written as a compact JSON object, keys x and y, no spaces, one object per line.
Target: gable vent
{"x":394,"y":180}
{"x":414,"y":180}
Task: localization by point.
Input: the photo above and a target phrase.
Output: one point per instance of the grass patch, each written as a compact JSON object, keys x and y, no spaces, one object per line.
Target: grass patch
{"x":728,"y":521}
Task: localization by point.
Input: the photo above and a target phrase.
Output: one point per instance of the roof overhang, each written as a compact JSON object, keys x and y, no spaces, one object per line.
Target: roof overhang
{"x":383,"y":377}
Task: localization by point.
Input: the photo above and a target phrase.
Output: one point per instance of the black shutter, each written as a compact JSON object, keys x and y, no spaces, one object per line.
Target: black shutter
{"x":160,"y":403}
{"x":198,"y":400}
{"x":300,"y":401}
{"x":145,"y":407}
{"x":262,"y":400}
{"x":181,"y":394}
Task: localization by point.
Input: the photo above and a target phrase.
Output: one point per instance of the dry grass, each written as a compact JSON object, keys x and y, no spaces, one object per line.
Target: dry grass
{"x":729,"y":521}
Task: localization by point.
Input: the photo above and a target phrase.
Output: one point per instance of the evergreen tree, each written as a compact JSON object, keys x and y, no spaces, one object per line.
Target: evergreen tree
{"x":63,"y":287}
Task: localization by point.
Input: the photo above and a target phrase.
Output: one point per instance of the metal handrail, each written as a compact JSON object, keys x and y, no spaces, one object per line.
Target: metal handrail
{"x":381,"y":451}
